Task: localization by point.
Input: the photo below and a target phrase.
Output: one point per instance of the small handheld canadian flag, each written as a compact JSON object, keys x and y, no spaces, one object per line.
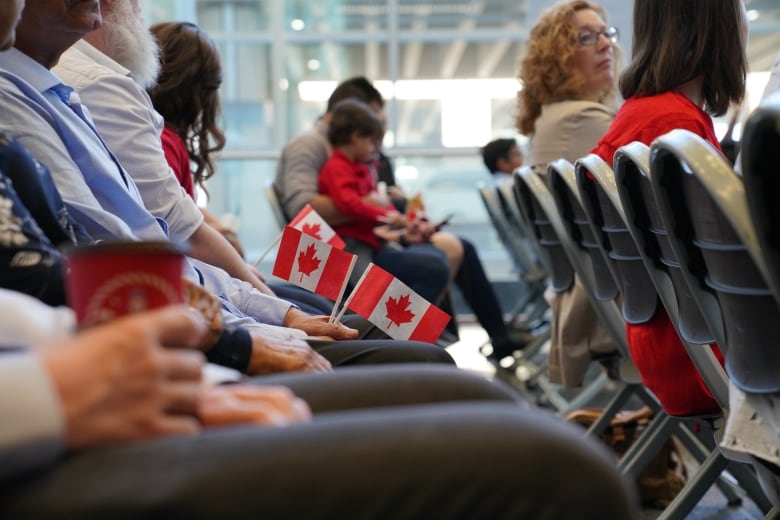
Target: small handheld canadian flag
{"x":311,"y":223}
{"x":313,"y":264}
{"x":389,"y":304}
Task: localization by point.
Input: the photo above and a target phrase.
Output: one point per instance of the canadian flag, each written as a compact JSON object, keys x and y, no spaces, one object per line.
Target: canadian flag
{"x":389,"y":304}
{"x":312,"y":264}
{"x":311,"y":223}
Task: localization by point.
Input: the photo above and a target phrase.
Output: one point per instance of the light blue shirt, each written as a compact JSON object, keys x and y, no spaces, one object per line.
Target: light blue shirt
{"x":98,"y":193}
{"x":126,"y":119}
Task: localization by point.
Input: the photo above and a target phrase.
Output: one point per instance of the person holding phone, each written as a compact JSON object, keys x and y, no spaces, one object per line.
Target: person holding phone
{"x":353,"y":131}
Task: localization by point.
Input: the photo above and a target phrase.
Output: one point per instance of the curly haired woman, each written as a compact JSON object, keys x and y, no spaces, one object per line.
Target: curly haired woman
{"x":568,"y":75}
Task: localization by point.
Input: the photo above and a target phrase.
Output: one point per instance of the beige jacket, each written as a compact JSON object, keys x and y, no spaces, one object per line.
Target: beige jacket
{"x":569,"y":130}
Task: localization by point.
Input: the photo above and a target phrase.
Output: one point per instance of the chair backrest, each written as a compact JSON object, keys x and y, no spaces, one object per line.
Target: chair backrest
{"x":276,"y":206}
{"x":537,"y":195}
{"x":561,"y":271}
{"x":641,"y":276}
{"x":518,"y":248}
{"x":520,"y":226}
{"x":601,"y":202}
{"x":702,"y":201}
{"x":760,"y":167}
{"x":633,"y":181}
{"x":563,"y":185}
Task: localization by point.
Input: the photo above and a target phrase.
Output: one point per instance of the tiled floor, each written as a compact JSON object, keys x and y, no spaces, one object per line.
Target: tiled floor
{"x":712,"y":507}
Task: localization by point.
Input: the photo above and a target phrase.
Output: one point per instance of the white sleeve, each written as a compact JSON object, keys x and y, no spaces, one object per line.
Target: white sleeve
{"x":31,"y":424}
{"x":27,"y":321}
{"x":123,"y":113}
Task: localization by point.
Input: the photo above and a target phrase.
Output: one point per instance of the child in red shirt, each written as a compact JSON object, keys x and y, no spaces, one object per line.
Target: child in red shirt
{"x":353,"y":131}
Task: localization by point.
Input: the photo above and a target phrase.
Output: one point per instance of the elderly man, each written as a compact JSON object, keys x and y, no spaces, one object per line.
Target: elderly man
{"x":51,"y":122}
{"x":109,"y":69}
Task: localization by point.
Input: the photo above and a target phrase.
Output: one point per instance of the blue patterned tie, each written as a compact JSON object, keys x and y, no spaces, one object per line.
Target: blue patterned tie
{"x":71,"y":98}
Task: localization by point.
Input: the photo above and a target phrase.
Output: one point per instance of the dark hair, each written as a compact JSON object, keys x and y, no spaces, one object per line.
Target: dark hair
{"x":186,"y":91}
{"x":350,"y":116}
{"x":495,"y":150}
{"x":676,"y":41}
{"x":359,"y":88}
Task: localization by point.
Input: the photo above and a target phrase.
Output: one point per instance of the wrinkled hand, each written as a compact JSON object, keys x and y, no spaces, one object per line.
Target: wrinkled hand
{"x":271,"y":355}
{"x":116,"y":382}
{"x":317,"y":325}
{"x":241,"y":404}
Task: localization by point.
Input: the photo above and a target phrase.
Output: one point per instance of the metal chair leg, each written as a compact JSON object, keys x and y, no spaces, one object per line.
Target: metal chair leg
{"x":700,"y":452}
{"x":640,"y":453}
{"x":615,"y":405}
{"x":701,"y":481}
{"x":748,"y":481}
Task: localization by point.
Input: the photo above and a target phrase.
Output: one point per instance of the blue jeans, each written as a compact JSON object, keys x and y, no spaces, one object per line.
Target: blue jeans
{"x":420,"y":266}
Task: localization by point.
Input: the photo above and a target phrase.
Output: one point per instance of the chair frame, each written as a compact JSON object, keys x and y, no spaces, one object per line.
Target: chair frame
{"x":606,"y":311}
{"x":711,"y":459}
{"x":727,"y":192}
{"x":760,"y":184}
{"x":718,"y":179}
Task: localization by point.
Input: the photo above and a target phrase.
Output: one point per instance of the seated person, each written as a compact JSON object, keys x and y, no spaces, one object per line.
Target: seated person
{"x":90,"y":180}
{"x":166,"y":444}
{"x":296,"y":185}
{"x":32,"y":264}
{"x":346,"y":179}
{"x":502,"y":157}
{"x":110,"y":68}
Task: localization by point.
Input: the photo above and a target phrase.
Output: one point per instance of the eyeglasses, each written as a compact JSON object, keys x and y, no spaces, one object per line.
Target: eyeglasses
{"x":586,"y":37}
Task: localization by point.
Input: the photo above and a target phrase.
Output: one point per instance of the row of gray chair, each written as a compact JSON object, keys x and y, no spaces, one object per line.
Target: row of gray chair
{"x":673,"y":221}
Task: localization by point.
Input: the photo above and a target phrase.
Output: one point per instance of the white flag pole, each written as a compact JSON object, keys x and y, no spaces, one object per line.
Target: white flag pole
{"x":352,"y":294}
{"x":343,"y":288}
{"x":268,"y":250}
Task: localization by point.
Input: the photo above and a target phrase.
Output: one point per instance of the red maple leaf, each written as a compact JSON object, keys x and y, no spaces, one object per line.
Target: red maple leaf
{"x":308,"y":261}
{"x":312,"y":230}
{"x":398,"y":310}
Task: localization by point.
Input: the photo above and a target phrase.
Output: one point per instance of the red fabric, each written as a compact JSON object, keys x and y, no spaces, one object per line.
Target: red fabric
{"x":347,"y":182}
{"x":178,"y":158}
{"x":656,"y":349}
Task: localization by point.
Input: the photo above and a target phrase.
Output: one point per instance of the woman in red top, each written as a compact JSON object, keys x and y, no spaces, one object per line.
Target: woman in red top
{"x":688,"y":62}
{"x":186,"y":95}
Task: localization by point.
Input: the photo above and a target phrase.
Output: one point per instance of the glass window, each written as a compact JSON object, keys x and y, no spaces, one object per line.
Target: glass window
{"x":446,"y":69}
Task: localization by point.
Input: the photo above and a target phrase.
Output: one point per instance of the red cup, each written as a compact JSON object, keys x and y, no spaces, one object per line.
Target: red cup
{"x":110,"y":279}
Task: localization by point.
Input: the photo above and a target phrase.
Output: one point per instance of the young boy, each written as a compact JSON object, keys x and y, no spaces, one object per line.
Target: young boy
{"x":502,"y":157}
{"x":353,"y":131}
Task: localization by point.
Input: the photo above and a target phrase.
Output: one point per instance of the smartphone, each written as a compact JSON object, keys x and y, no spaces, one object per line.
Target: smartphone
{"x":443,"y":222}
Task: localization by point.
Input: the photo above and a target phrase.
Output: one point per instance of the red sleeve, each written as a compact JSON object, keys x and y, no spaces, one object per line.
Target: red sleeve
{"x":647,"y":133}
{"x":178,"y":159}
{"x":343,"y":187}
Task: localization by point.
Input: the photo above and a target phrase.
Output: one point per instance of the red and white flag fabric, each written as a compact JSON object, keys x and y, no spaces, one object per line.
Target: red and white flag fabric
{"x":311,"y":223}
{"x":312,"y":264}
{"x":389,"y":304}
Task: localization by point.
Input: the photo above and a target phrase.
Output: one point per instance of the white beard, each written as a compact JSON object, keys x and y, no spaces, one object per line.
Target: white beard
{"x":129,"y":43}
